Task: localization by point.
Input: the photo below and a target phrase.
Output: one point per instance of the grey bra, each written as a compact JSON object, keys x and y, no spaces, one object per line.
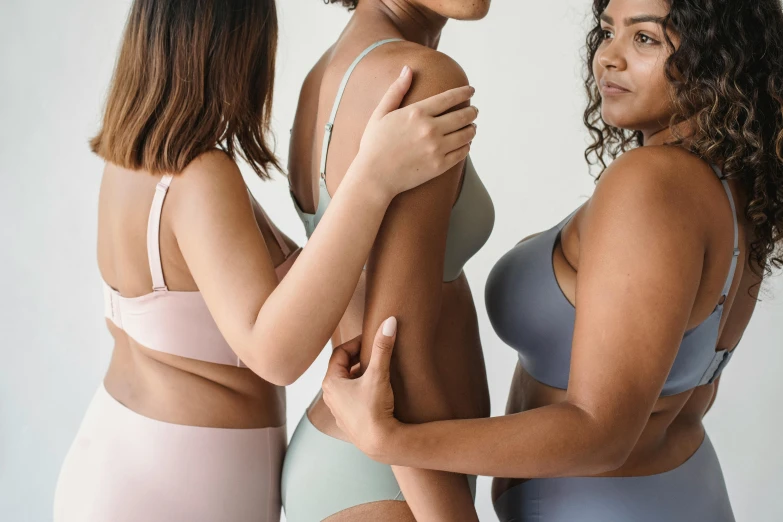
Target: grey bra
{"x":472,"y":216}
{"x":529,"y":312}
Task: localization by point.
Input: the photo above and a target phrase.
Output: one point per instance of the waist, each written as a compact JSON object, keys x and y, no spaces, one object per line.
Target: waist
{"x":457,"y":345}
{"x":694,"y":490}
{"x":673,"y":431}
{"x":193,"y":393}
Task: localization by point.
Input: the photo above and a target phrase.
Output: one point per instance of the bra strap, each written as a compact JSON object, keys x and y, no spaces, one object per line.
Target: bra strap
{"x":153,"y":234}
{"x":733,"y":267}
{"x":338,"y":99}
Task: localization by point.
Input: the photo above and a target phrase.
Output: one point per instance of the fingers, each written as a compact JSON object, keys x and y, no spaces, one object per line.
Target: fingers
{"x":456,"y":120}
{"x":353,"y":347}
{"x":455,"y":156}
{"x":457,"y":140}
{"x":382,"y":348}
{"x":393,"y":98}
{"x":339,"y":365}
{"x":440,"y":103}
{"x":356,"y":370}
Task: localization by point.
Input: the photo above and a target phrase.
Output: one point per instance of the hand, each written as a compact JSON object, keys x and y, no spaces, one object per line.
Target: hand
{"x":363,"y":404}
{"x":404,"y":148}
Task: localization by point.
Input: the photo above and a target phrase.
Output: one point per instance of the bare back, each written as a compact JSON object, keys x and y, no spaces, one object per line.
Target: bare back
{"x":155,"y":384}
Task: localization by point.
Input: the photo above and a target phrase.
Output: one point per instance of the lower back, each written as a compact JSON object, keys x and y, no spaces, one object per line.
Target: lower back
{"x":194,"y":393}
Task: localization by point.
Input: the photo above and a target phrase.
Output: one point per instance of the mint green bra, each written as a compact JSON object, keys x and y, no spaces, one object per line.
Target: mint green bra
{"x":472,"y":216}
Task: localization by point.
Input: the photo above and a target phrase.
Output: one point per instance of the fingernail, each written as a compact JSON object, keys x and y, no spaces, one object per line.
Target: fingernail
{"x":472,"y":90}
{"x":390,"y":326}
{"x":404,"y":70}
{"x":477,"y":111}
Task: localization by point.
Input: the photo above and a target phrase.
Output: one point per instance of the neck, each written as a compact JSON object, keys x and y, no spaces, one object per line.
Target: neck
{"x":657,"y":137}
{"x":666,"y":134}
{"x":414,"y":22}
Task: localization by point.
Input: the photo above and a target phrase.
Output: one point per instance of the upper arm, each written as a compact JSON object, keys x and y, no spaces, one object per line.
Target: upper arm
{"x":405,"y":269}
{"x":218,"y":235}
{"x":640,"y":263}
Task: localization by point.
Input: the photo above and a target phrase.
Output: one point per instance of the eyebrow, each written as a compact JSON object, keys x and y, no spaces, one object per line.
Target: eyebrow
{"x":634,"y":20}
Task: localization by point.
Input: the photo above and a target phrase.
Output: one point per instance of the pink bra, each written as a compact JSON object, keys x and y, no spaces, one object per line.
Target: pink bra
{"x":174,"y":322}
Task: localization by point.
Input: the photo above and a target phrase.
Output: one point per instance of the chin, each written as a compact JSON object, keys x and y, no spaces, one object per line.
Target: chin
{"x":615,"y":118}
{"x":475,"y":12}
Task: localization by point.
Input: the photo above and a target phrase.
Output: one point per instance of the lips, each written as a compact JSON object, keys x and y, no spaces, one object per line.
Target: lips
{"x":609,"y":87}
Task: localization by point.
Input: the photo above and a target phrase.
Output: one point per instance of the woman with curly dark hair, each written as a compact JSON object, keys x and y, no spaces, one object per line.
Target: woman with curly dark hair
{"x":626,"y":313}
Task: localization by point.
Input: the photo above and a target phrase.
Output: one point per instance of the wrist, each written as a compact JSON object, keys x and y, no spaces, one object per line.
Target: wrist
{"x":365,"y":175}
{"x":389,"y":442}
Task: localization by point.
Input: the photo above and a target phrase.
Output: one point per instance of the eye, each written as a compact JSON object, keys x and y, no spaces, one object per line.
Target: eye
{"x":645,"y":39}
{"x":606,"y":34}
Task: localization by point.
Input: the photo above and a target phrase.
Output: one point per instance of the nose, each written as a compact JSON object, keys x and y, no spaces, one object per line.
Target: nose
{"x":612,"y":56}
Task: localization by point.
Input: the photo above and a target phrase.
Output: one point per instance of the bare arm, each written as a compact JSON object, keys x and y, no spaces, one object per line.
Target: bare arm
{"x":278,"y":330}
{"x":404,"y":279}
{"x":640,"y":266}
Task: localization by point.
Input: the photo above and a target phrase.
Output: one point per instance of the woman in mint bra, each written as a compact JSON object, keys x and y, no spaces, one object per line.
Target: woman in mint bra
{"x":625,"y":314}
{"x":189,"y":422}
{"x":414,"y":269}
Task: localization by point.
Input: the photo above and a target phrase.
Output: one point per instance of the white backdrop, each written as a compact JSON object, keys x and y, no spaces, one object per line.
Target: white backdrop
{"x":56,"y":60}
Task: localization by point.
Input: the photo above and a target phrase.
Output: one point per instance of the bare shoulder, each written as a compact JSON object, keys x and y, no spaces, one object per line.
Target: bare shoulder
{"x":213,"y":179}
{"x":433,"y":71}
{"x":312,"y":81}
{"x":433,"y":67}
{"x":662,"y":193}
{"x":666,"y":177}
{"x":215,"y":166}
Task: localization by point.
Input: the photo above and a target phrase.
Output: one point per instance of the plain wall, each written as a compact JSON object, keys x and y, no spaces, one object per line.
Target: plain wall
{"x":56,"y":60}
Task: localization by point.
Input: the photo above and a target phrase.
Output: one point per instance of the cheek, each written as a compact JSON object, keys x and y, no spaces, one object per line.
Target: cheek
{"x":658,"y":95}
{"x":651,"y":75}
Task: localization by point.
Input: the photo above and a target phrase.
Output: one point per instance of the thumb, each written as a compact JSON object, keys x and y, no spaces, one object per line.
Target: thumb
{"x":393,"y":98}
{"x":382,"y":348}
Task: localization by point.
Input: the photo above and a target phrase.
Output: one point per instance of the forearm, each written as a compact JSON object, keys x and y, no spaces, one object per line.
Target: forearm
{"x":436,"y":495}
{"x":431,"y":495}
{"x":319,"y":286}
{"x":552,"y":441}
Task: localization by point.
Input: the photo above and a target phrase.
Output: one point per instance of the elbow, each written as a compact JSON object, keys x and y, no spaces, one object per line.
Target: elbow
{"x":612,"y":449}
{"x":611,"y":456}
{"x":275,"y":370}
{"x":417,"y":401}
{"x":609,"y":447}
{"x":279,"y":378}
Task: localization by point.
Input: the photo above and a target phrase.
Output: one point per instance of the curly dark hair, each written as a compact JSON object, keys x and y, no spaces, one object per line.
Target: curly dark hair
{"x":350,"y":4}
{"x":727,"y":78}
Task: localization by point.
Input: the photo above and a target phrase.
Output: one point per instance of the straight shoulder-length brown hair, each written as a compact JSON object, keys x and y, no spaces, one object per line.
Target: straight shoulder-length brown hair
{"x":192,"y":76}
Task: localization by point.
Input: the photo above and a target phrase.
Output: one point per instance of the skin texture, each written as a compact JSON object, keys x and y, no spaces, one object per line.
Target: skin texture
{"x":644,"y":260}
{"x":214,"y":240}
{"x":405,"y":270}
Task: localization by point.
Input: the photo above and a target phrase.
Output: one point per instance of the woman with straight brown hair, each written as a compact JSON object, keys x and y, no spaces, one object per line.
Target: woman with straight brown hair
{"x":189,"y":423}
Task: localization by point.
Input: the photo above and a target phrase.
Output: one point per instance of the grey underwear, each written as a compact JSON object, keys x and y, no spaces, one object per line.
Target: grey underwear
{"x":693,"y":492}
